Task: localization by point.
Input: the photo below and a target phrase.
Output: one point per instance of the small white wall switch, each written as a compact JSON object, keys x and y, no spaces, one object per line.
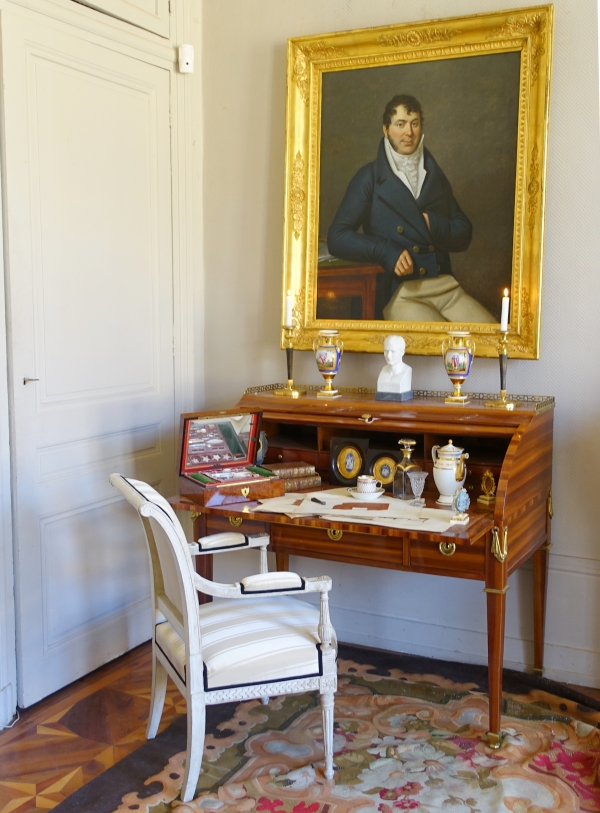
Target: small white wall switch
{"x":186,"y":59}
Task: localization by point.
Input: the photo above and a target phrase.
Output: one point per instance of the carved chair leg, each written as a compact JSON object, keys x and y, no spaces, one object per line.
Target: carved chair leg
{"x":157,"y":698}
{"x":327,"y":705}
{"x":264,"y":567}
{"x":196,"y":724}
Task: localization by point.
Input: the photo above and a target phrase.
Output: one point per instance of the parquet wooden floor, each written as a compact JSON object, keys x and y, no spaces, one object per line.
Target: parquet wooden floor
{"x":77,"y":733}
{"x":72,"y":736}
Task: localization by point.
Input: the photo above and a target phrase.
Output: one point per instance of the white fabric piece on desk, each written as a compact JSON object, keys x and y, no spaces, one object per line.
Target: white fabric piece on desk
{"x":278,"y":580}
{"x":274,"y":639}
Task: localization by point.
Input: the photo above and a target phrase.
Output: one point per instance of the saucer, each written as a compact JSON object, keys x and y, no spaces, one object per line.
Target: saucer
{"x":368,"y":496}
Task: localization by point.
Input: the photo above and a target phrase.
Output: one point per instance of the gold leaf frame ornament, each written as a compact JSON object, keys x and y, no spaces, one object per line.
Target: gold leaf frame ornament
{"x":436,"y":47}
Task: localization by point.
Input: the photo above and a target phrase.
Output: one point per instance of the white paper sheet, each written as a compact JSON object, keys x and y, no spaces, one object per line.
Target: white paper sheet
{"x":336,"y":505}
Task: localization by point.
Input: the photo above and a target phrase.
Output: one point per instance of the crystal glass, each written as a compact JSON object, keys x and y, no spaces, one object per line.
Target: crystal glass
{"x":417,"y":481}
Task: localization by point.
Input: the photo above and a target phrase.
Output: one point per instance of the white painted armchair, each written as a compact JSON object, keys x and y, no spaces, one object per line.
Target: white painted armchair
{"x":279,"y":644}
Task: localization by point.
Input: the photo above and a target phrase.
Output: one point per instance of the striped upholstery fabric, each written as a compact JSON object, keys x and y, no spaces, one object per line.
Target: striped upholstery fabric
{"x":267,"y":640}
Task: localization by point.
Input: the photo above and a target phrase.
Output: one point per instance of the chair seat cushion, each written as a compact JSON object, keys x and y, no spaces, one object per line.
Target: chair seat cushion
{"x":255,"y":641}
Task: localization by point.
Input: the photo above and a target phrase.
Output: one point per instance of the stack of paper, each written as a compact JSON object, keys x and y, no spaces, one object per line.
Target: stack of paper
{"x":337,"y":505}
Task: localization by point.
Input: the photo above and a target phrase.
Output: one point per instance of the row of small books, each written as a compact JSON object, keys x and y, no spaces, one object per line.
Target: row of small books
{"x":296,"y":476}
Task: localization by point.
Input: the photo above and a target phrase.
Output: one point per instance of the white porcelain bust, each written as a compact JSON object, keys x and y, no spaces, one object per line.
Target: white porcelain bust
{"x":396,"y":376}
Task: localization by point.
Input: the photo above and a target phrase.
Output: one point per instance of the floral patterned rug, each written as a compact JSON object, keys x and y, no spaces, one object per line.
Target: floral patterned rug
{"x":403,"y":741}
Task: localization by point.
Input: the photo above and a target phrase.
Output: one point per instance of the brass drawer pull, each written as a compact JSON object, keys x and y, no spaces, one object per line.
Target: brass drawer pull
{"x":368,"y":418}
{"x":447,"y":548}
{"x":235,"y":521}
{"x":334,"y":535}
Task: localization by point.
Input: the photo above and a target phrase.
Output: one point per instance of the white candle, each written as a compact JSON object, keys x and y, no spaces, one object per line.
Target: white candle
{"x":289,"y":304}
{"x":505,"y":309}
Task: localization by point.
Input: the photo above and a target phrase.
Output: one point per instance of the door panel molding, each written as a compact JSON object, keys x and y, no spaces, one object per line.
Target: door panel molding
{"x":57,"y":85}
{"x":77,"y":456}
{"x":110,"y":572}
{"x":99,"y":27}
{"x":153,"y":15}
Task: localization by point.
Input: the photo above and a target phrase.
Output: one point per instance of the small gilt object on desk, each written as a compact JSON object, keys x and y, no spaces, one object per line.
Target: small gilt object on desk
{"x":488,"y":488}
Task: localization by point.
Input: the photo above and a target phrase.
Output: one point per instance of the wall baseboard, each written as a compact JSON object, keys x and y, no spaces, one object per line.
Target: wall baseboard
{"x":562,"y":664}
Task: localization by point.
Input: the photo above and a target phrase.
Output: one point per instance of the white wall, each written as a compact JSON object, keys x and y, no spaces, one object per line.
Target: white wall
{"x":243,"y":63}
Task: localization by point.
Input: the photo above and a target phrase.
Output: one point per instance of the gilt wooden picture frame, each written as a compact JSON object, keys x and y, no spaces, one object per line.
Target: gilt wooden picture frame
{"x":467,"y":205}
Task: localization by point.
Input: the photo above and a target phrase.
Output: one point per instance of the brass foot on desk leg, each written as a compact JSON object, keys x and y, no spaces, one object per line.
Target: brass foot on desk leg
{"x":493,"y":740}
{"x":538,"y":671}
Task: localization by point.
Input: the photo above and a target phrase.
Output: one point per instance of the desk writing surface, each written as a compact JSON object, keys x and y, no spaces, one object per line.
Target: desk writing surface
{"x":480,"y":523}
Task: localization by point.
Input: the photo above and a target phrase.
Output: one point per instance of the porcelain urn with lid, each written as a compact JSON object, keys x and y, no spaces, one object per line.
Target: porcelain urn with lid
{"x":449,"y":471}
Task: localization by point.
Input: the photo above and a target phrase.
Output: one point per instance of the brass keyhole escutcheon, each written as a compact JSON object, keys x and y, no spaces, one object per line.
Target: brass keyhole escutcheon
{"x":245,"y":491}
{"x":334,"y":535}
{"x":235,"y":521}
{"x":447,"y":548}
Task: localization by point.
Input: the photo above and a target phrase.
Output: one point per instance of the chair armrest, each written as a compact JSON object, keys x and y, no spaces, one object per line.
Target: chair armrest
{"x":216,"y":588}
{"x":227,"y":541}
{"x":277,"y":582}
{"x":280,"y":583}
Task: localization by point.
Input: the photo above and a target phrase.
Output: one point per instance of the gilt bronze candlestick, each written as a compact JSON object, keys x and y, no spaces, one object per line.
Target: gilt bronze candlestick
{"x":503,"y":402}
{"x":289,"y":391}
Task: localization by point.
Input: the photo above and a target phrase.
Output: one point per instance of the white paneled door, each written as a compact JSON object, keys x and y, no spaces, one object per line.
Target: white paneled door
{"x":153,"y":15}
{"x":89,"y":264}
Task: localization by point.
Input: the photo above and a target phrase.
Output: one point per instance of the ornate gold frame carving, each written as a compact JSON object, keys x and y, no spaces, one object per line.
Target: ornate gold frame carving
{"x":527,"y":31}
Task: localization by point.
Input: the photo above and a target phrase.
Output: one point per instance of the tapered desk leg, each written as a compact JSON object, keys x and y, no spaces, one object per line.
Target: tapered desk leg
{"x":540,"y":584}
{"x":282,"y":561}
{"x":204,"y":564}
{"x":496,"y":612}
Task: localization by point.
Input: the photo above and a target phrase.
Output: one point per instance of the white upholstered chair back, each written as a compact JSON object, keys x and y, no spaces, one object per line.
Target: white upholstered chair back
{"x":174,"y":595}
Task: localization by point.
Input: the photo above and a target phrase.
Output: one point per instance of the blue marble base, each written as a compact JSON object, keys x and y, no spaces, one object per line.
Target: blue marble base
{"x":394,"y":396}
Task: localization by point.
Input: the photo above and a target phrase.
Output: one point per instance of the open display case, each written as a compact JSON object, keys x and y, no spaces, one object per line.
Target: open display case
{"x":217,"y":459}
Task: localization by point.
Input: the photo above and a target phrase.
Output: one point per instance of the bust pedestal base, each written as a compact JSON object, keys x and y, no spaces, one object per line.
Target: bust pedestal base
{"x":394,"y":396}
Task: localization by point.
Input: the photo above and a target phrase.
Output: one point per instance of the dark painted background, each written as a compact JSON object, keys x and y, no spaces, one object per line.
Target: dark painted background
{"x":470,"y":107}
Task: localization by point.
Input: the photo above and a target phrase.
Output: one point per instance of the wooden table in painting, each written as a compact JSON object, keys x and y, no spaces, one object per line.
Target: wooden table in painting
{"x":352,"y":280}
{"x":514,"y":447}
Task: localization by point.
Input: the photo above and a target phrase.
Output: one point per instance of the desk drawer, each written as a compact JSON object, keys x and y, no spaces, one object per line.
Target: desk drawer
{"x":467,"y":561}
{"x":218,"y":525}
{"x":359,"y":549}
{"x":279,"y":454}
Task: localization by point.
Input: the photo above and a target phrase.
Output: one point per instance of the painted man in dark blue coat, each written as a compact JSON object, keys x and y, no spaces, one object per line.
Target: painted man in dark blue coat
{"x":399,"y":212}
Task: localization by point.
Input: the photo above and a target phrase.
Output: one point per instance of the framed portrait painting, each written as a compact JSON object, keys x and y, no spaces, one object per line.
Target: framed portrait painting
{"x":415,"y":181}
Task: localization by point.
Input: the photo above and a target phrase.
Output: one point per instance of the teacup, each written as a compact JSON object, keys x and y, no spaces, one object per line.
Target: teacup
{"x":367,"y":484}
